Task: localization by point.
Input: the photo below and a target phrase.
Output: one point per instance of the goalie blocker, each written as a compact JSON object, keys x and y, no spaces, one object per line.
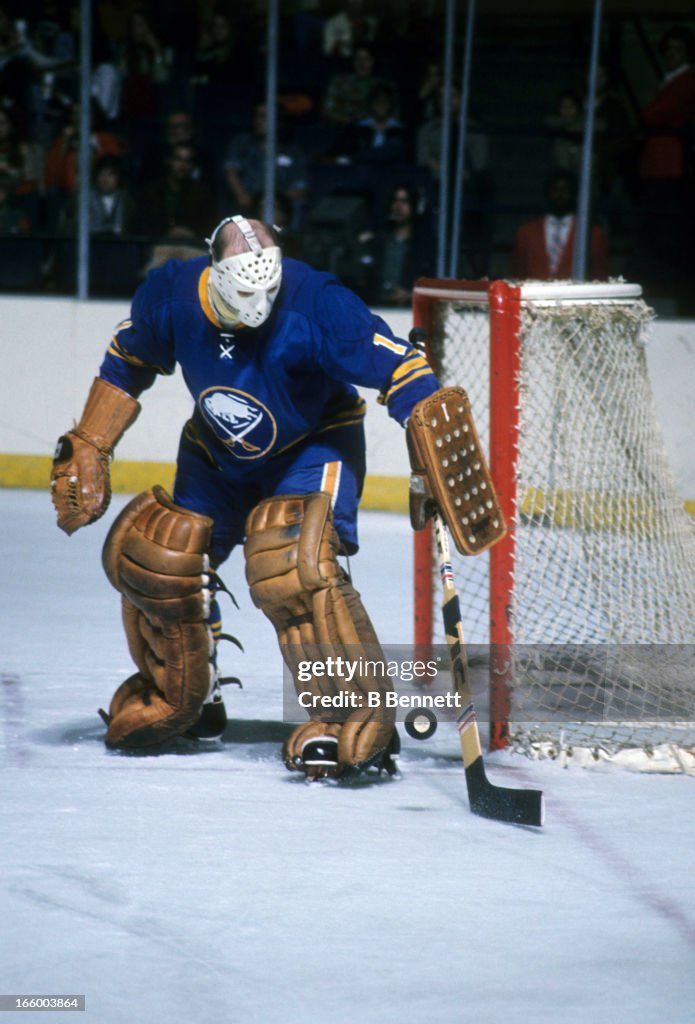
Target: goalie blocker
{"x":450,"y":472}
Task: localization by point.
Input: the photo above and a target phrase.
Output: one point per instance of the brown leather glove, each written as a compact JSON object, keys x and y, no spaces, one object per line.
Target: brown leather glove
{"x":80,"y":483}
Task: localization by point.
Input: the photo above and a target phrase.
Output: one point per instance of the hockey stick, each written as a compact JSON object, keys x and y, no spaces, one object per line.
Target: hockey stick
{"x":520,"y":806}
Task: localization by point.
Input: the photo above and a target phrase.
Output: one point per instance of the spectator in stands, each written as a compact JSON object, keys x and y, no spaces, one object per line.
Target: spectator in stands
{"x":20,"y":160}
{"x":220,"y":45}
{"x":282,"y":210}
{"x":53,"y":34}
{"x":13,"y":221}
{"x":565,"y":128}
{"x":60,"y":170}
{"x":106,"y":78}
{"x":53,"y":51}
{"x":281,"y":223}
{"x":306,"y":21}
{"x":347,"y":29}
{"x":176,"y":205}
{"x":225,"y":75}
{"x":406,"y":46}
{"x":429,"y":142}
{"x":144,"y":62}
{"x":61,"y":167}
{"x":378,"y":137}
{"x":347,"y":95}
{"x":478,"y":185}
{"x":370,"y":154}
{"x":21,"y":257}
{"x":183,"y":249}
{"x":613,"y":133}
{"x":429,"y":91}
{"x":543,"y":248}
{"x":665,"y":223}
{"x":402,"y":251}
{"x":16,"y":74}
{"x":178,"y":128}
{"x":669,"y":114}
{"x":111,"y":207}
{"x":244,"y":164}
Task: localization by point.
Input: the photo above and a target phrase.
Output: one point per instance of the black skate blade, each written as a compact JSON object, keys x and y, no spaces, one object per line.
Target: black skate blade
{"x":320,"y":760}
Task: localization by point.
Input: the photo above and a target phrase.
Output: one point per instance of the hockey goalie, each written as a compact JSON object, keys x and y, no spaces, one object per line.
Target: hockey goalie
{"x":272,"y":458}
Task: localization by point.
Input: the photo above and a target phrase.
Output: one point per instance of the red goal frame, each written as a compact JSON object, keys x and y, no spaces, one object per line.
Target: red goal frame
{"x":504,"y":304}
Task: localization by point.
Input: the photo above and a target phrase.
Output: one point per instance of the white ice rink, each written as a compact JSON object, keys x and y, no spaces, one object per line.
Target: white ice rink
{"x":216,"y":888}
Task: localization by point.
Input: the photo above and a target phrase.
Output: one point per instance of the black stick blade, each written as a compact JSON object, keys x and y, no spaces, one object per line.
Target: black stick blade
{"x":519,"y":806}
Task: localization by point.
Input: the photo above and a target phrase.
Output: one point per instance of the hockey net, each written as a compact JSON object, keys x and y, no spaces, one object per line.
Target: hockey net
{"x":585,"y":613}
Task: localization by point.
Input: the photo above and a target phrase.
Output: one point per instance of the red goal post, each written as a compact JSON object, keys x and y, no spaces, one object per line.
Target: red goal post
{"x":598,"y":568}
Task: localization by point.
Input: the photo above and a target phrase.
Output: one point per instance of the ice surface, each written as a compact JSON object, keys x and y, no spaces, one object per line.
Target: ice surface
{"x":216,"y":887}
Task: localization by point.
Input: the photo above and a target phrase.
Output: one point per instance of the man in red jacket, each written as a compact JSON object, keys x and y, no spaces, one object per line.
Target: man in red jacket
{"x":664,"y":221}
{"x":668,"y":116}
{"x":543,"y":247}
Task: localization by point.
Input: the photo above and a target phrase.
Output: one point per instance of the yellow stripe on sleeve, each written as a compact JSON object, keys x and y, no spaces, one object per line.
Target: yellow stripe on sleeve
{"x":413,"y":362}
{"x":120,"y":353}
{"x":394,"y":346}
{"x":117,"y":350}
{"x":407,"y":380}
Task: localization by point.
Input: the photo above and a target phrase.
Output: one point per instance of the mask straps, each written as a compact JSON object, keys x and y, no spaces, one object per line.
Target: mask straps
{"x":249,"y":234}
{"x":246,"y":230}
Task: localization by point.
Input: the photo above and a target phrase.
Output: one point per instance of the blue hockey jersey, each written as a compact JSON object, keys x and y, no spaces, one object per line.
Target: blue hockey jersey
{"x":258,"y":391}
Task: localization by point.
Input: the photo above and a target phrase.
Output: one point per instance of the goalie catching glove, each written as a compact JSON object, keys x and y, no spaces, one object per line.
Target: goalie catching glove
{"x":450,"y":473}
{"x":80,"y":483}
{"x":295,"y":579}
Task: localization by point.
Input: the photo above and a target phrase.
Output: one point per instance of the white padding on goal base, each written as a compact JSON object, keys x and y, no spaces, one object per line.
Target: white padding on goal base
{"x":664,"y":759}
{"x":568,"y":291}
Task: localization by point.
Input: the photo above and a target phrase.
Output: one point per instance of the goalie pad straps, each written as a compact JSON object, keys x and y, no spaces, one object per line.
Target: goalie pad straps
{"x":295,"y":579}
{"x":450,"y":472}
{"x":155,"y":555}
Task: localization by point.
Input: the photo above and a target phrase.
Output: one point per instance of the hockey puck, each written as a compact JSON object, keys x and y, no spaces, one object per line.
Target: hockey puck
{"x":420,"y":723}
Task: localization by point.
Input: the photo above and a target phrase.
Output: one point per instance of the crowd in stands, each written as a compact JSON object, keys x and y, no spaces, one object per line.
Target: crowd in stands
{"x":178,"y":138}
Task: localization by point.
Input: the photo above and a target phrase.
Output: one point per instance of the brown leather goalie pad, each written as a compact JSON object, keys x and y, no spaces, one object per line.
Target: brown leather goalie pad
{"x":155,"y":555}
{"x":450,"y":472}
{"x":295,"y":579}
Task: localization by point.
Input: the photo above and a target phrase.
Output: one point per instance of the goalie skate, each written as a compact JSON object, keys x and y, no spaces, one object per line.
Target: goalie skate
{"x":320,"y":759}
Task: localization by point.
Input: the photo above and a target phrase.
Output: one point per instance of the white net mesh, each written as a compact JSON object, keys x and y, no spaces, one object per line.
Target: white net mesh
{"x":602,"y":600}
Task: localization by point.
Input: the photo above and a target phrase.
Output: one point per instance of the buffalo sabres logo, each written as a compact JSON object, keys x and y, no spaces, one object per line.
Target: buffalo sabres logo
{"x":240,"y":420}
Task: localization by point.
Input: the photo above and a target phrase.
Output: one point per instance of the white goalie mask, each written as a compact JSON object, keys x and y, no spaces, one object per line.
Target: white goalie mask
{"x":242,"y":288}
